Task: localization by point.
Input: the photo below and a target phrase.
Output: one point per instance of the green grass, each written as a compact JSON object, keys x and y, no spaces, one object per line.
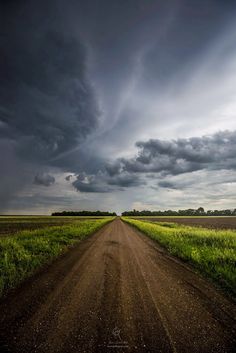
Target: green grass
{"x":14,"y":224}
{"x":28,"y":250}
{"x":212,"y":252}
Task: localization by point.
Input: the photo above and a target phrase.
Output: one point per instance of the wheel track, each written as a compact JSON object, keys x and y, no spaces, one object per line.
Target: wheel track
{"x":117,"y":279}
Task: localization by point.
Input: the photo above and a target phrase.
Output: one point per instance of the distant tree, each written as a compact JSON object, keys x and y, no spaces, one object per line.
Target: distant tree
{"x":200,"y":211}
{"x":84,"y":213}
{"x":188,"y":212}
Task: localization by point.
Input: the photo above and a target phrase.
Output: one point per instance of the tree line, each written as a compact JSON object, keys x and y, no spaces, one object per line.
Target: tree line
{"x":84,"y":213}
{"x":188,"y":212}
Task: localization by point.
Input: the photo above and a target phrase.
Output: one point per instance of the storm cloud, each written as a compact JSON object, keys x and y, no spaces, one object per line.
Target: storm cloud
{"x":215,"y":152}
{"x":102,"y":182}
{"x":120,"y":98}
{"x":47,"y":103}
{"x":44,"y":179}
{"x":158,"y":159}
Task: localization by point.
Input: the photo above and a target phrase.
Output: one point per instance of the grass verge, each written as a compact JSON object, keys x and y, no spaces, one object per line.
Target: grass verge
{"x":22,"y":254}
{"x":212,"y":252}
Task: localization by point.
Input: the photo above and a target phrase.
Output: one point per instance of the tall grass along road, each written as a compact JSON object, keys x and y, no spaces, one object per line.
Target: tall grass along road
{"x":117,"y":291}
{"x":212,"y":252}
{"x":28,"y":250}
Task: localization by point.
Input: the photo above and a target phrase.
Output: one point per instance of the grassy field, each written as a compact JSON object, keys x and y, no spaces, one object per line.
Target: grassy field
{"x":212,"y":252}
{"x":14,"y":224}
{"x":22,"y":254}
{"x":213,"y":222}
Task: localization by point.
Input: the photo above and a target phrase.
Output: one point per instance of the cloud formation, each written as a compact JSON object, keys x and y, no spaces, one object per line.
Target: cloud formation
{"x":46,"y":100}
{"x":44,"y":179}
{"x":159,"y":159}
{"x":215,"y":152}
{"x":102,"y":182}
{"x":81,"y":83}
{"x":47,"y":103}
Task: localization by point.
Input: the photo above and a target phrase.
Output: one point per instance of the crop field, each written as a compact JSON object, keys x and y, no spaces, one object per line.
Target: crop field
{"x":114,"y":281}
{"x":22,"y":254}
{"x":197,"y":221}
{"x":212,"y":252}
{"x":15,"y":224}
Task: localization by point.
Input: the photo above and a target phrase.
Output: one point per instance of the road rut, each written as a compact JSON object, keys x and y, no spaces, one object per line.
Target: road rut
{"x":117,"y":291}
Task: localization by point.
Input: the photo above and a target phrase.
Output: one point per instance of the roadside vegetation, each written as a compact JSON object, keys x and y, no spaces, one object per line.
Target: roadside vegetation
{"x":212,"y":252}
{"x":22,"y":254}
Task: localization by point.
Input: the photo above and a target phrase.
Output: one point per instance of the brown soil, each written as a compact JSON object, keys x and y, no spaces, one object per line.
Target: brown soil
{"x":211,"y":222}
{"x":117,"y":291}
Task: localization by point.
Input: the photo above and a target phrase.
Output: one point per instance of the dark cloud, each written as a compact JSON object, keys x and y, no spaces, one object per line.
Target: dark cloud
{"x":114,"y":168}
{"x":180,"y":156}
{"x":167,"y":185}
{"x":47,"y":103}
{"x":44,"y":179}
{"x":92,"y":187}
{"x":91,"y":183}
{"x":125,"y":180}
{"x":82,"y":80}
{"x":159,"y":158}
{"x":68,"y":177}
{"x":102,"y":182}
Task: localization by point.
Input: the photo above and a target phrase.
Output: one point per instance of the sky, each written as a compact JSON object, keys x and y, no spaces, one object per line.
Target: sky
{"x":117,"y":105}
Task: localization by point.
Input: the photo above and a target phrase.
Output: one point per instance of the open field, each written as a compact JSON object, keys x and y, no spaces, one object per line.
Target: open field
{"x":212,"y":252}
{"x":117,"y":291}
{"x":22,"y":254}
{"x":15,"y":224}
{"x":197,"y":221}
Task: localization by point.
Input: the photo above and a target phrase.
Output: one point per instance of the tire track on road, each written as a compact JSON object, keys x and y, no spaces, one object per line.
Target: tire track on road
{"x":117,"y":291}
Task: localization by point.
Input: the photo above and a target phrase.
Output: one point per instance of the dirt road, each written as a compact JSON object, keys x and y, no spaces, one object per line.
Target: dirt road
{"x":117,"y":291}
